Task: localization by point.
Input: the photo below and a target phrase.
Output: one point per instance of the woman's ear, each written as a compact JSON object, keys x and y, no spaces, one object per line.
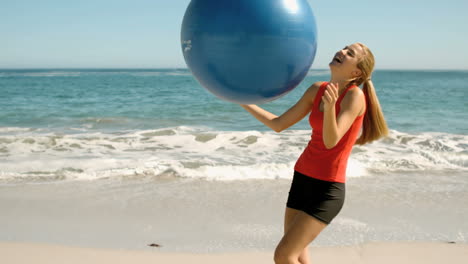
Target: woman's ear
{"x":357,"y":73}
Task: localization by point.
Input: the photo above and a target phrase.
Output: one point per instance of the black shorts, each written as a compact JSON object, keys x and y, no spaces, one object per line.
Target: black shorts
{"x":320,"y":199}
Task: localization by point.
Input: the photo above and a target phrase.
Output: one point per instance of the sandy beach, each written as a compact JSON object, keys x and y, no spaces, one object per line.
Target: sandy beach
{"x":371,"y":253}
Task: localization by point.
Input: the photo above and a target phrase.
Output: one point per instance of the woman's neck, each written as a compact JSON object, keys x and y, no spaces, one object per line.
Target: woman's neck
{"x":342,"y":83}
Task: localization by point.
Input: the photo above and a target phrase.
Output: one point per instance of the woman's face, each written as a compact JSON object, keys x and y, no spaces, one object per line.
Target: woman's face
{"x":345,"y":61}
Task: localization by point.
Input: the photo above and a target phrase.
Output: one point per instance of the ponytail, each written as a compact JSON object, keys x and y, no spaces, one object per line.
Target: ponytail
{"x":374,"y":125}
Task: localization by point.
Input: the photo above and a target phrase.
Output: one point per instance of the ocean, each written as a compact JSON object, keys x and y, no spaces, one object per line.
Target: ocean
{"x":94,"y":144}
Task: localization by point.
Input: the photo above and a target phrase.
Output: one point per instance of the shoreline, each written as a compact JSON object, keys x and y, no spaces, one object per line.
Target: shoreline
{"x":375,"y":252}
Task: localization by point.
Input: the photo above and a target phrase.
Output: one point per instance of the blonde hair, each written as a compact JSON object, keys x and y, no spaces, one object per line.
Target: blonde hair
{"x":374,"y":125}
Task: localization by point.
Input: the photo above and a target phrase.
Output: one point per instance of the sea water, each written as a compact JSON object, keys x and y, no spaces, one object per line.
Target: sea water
{"x":141,"y":127}
{"x":88,"y":124}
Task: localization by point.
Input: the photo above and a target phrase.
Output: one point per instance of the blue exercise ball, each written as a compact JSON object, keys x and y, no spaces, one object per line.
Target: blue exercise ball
{"x":249,"y":51}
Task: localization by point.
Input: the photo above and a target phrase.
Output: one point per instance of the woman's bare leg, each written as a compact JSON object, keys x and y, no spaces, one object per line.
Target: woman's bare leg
{"x":301,"y":231}
{"x":289,"y":216}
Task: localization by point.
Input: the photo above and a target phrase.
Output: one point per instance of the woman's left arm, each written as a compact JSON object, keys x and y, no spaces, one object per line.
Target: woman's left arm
{"x":335,"y":127}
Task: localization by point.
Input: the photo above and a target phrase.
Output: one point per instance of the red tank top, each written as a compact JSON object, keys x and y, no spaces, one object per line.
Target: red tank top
{"x":319,"y":162}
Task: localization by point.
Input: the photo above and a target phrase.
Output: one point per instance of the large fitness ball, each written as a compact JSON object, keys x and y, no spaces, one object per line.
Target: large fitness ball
{"x":249,"y":51}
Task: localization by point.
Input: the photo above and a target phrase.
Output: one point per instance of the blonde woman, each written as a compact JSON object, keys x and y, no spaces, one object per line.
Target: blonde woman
{"x":339,"y":111}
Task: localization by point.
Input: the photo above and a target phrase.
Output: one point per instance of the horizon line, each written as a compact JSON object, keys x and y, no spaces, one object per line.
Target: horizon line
{"x":186,"y":68}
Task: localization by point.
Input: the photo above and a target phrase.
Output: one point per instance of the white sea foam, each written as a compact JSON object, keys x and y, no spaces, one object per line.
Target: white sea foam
{"x":416,"y":152}
{"x":14,"y":129}
{"x":189,"y":152}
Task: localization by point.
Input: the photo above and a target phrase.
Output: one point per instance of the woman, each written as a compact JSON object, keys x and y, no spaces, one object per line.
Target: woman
{"x":339,"y":111}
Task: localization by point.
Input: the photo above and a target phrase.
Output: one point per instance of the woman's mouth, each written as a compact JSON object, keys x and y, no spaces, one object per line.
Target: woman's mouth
{"x":336,"y":59}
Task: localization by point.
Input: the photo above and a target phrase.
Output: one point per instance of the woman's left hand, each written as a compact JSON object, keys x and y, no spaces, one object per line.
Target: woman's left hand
{"x":330,"y":96}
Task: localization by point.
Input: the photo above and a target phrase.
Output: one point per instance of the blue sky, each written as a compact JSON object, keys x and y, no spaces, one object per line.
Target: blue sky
{"x":403,"y":34}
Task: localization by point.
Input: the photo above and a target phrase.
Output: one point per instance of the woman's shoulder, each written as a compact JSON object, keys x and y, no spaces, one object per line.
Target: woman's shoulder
{"x":314,"y":88}
{"x":354,"y":98}
{"x":354,"y":93}
{"x":311,"y":92}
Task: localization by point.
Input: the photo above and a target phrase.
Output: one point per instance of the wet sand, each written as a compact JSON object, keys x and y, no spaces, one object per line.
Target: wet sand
{"x":371,"y":253}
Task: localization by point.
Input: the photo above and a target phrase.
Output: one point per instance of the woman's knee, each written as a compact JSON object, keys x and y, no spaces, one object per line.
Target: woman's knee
{"x":283,"y":257}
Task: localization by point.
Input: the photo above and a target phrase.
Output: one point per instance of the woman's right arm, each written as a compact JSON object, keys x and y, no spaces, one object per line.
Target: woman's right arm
{"x":288,"y":118}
